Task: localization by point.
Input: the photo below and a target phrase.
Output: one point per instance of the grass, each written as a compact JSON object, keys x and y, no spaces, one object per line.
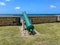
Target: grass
{"x":49,"y":35}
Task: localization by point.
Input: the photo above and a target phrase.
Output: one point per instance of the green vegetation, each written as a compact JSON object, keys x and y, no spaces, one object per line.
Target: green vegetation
{"x":49,"y":35}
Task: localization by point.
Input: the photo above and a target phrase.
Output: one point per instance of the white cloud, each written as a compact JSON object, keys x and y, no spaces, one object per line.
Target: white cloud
{"x":17,"y":8}
{"x":2,"y":4}
{"x":52,"y":6}
{"x":8,"y":0}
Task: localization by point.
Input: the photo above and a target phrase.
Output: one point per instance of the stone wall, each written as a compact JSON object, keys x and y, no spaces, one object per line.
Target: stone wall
{"x":43,"y":19}
{"x":9,"y":20}
{"x":34,"y":19}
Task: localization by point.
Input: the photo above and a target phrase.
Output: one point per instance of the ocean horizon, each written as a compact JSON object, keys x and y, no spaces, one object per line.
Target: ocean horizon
{"x":17,"y":15}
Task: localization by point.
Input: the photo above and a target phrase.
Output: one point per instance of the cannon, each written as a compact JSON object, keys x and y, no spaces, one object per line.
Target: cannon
{"x":28,"y":23}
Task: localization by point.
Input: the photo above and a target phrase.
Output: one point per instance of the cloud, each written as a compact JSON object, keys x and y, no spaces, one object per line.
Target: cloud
{"x":17,"y":8}
{"x":52,"y":6}
{"x":2,"y":4}
{"x":8,"y":0}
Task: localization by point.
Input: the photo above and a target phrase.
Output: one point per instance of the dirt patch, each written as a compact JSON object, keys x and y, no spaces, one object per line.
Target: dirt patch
{"x":25,"y":33}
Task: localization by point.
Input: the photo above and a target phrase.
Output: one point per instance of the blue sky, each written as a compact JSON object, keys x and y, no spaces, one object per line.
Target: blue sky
{"x":30,"y":6}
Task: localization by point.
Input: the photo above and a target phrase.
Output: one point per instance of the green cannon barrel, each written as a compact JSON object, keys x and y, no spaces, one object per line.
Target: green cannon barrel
{"x":29,"y":25}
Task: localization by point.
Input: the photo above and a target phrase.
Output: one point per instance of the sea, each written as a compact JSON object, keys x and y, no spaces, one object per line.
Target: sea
{"x":20,"y":15}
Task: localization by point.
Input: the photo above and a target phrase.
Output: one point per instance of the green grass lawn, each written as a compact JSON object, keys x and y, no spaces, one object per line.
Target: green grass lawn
{"x":49,"y":35}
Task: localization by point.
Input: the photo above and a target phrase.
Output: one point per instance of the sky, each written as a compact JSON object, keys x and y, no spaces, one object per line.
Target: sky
{"x":30,"y":6}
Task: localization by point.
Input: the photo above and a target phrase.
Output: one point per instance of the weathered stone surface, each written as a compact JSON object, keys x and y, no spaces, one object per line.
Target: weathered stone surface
{"x":43,"y":19}
{"x":9,"y":20}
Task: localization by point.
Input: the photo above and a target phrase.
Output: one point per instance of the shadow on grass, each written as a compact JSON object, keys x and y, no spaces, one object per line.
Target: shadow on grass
{"x":9,"y":25}
{"x":46,"y":22}
{"x":21,"y":24}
